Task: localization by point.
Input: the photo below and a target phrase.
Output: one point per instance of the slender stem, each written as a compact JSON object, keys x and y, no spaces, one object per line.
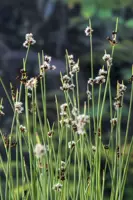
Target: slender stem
{"x":93,"y":99}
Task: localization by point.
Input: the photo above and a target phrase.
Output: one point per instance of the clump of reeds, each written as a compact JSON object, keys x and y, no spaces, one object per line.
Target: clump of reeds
{"x":69,"y":159}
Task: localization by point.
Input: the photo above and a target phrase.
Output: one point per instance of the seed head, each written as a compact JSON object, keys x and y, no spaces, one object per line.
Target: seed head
{"x":113,"y":121}
{"x":99,"y":79}
{"x":102,"y":72}
{"x":22,"y":128}
{"x":88,"y":31}
{"x":57,"y":187}
{"x":29,"y":40}
{"x":31,"y":83}
{"x":107,"y":58}
{"x":18,"y":107}
{"x":40,"y":150}
{"x":71,"y":144}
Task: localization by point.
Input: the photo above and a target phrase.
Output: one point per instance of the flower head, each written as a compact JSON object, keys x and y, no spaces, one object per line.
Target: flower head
{"x":71,"y":144}
{"x":81,"y":121}
{"x":18,"y":107}
{"x":22,"y":128}
{"x":99,"y":79}
{"x":117,"y":104}
{"x":113,"y":121}
{"x":57,"y":187}
{"x":47,"y":58}
{"x":90,"y":81}
{"x":66,"y":78}
{"x":88,"y":31}
{"x":63,"y":108}
{"x":75,"y":68}
{"x":31,"y":83}
{"x":102,"y":72}
{"x":67,"y":86}
{"x":50,"y":133}
{"x":107,"y":58}
{"x":46,"y":65}
{"x":63,"y":163}
{"x":93,"y":148}
{"x":122,"y":89}
{"x":29,"y":40}
{"x":40,"y":150}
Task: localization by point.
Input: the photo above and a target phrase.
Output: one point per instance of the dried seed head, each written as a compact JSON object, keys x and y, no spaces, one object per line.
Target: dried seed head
{"x":70,"y":57}
{"x":22,"y":128}
{"x":102,"y":72}
{"x":88,"y":31}
{"x":117,"y":104}
{"x":46,"y":65}
{"x":57,"y":187}
{"x":29,"y":40}
{"x":66,"y":78}
{"x":31,"y":83}
{"x":93,"y":148}
{"x":107,"y":58}
{"x":50,"y":133}
{"x":40,"y":150}
{"x":47,"y":58}
{"x":53,"y":67}
{"x":99,"y":79}
{"x":63,"y":163}
{"x":90,"y":81}
{"x":71,"y":144}
{"x":122,"y":89}
{"x":18,"y":107}
{"x":113,"y":121}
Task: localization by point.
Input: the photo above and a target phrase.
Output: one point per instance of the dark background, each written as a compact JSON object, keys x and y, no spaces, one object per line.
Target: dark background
{"x":59,"y":25}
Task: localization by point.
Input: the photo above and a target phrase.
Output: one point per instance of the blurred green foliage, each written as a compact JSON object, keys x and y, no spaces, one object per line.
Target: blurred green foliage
{"x":103,"y":8}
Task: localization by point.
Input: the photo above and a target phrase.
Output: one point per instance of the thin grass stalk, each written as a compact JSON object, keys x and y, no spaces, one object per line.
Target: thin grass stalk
{"x":120,"y":150}
{"x":78,"y":96}
{"x":1,"y":194}
{"x":9,"y":177}
{"x":26,"y":175}
{"x":90,"y":145}
{"x":116,"y":170}
{"x":103,"y":182}
{"x":17,"y":163}
{"x":8,"y":97}
{"x":98,"y":147}
{"x":26,"y":57}
{"x":104,"y":97}
{"x":80,"y":168}
{"x":93,"y":100}
{"x":44,"y":98}
{"x":41,"y":84}
{"x":21,"y":157}
{"x":29,"y":140}
{"x":114,"y":181}
{"x":128,"y":119}
{"x":126,"y":169}
{"x":108,"y":79}
{"x":99,"y":101}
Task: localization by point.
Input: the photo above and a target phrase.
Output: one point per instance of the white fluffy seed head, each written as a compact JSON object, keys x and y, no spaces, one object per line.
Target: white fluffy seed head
{"x":40,"y":150}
